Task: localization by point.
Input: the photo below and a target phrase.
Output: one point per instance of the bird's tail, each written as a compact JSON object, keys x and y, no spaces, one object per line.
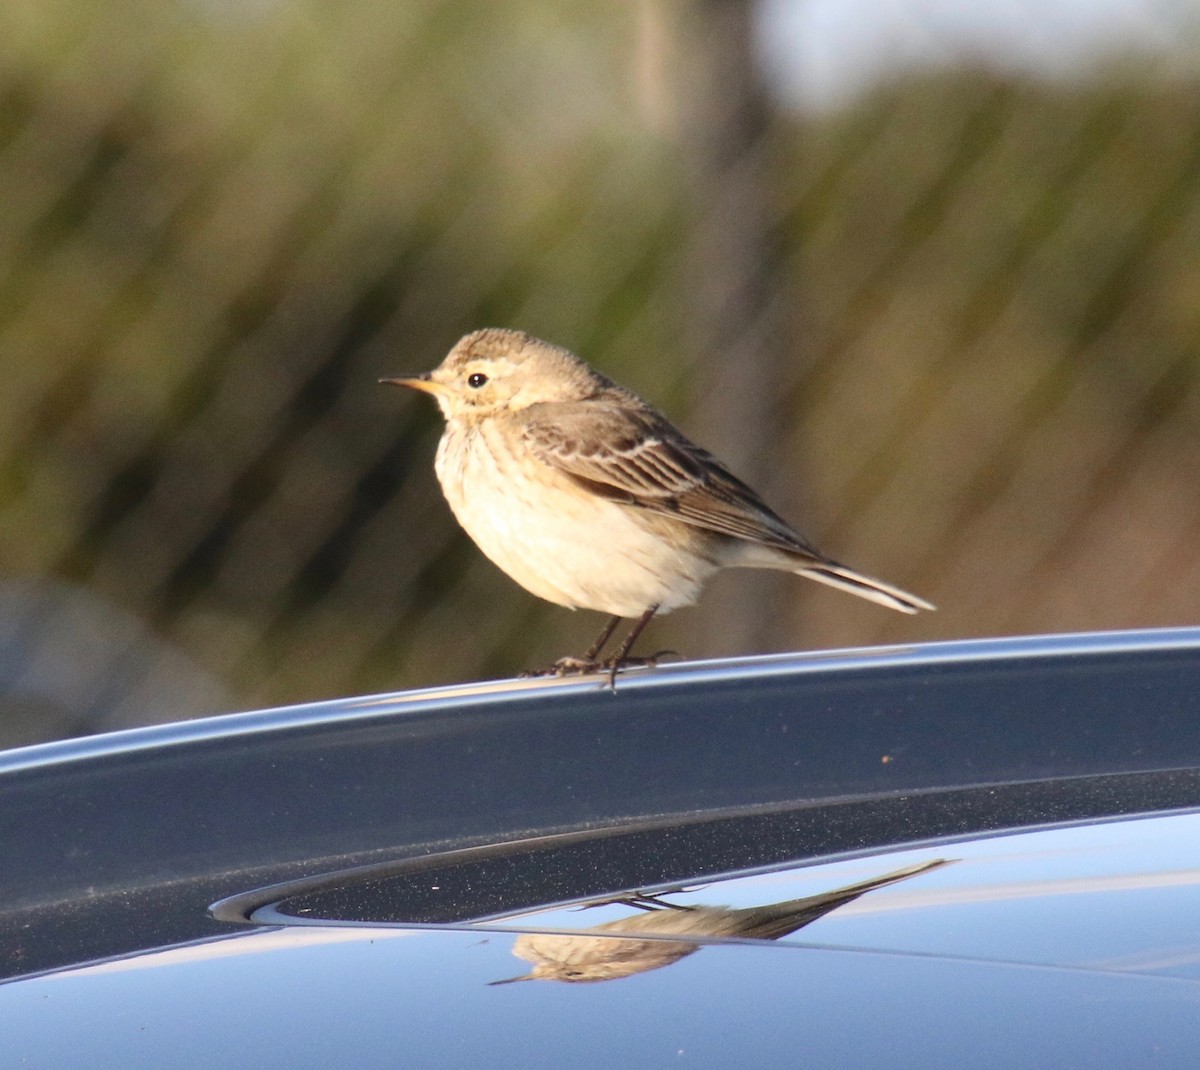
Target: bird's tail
{"x":846,"y":579}
{"x":805,"y":561}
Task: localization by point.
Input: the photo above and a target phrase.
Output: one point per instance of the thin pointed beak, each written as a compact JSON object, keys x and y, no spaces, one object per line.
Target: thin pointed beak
{"x":511,"y":980}
{"x":421,"y":381}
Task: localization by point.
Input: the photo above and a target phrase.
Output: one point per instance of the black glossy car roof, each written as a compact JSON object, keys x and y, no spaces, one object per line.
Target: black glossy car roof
{"x":1072,"y":946}
{"x":122,"y":842}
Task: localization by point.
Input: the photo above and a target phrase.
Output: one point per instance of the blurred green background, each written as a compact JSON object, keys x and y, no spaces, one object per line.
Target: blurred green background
{"x":946,"y":318}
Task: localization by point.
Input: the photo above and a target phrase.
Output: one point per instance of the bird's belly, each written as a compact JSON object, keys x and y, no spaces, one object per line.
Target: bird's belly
{"x":561,"y":542}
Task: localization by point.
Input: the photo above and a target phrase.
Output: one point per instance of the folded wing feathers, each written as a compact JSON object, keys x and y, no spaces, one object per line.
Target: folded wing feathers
{"x":653,"y":467}
{"x":634,"y":456}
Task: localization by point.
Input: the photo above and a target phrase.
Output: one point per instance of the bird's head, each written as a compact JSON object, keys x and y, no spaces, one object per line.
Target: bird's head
{"x":496,"y":370}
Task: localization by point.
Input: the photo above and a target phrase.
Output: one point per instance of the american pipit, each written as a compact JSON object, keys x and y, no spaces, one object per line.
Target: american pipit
{"x":636,"y":944}
{"x":588,"y":497}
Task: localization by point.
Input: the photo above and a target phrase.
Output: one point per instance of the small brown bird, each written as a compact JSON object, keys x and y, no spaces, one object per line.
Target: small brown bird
{"x":641,"y":942}
{"x":590,"y":498}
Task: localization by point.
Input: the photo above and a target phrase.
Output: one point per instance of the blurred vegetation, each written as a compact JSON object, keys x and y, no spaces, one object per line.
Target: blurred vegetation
{"x":222,"y":223}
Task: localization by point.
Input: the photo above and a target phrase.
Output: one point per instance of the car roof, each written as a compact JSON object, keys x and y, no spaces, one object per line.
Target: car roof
{"x":295,"y":831}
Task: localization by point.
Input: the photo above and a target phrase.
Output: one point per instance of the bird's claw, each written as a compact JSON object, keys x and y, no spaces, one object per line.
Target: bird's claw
{"x":572,"y":666}
{"x":566,"y":667}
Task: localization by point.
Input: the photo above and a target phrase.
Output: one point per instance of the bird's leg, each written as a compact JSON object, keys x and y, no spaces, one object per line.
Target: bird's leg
{"x":650,"y":902}
{"x":570,"y":666}
{"x":594,"y":650}
{"x":621,"y":657}
{"x":588,"y":663}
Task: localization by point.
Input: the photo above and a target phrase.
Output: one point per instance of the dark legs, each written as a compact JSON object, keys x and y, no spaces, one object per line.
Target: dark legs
{"x":622,"y":655}
{"x":591,"y":662}
{"x":594,"y":650}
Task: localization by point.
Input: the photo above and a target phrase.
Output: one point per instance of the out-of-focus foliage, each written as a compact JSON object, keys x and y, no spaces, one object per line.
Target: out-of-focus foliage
{"x":219,"y":224}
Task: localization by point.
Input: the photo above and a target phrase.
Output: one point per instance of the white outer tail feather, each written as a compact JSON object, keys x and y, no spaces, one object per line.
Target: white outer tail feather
{"x":846,"y":579}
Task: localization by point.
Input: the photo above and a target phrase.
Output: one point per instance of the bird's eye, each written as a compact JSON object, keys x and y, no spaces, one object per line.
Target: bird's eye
{"x":476,"y":379}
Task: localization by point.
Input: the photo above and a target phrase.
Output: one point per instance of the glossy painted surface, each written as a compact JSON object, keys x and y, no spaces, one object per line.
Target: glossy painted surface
{"x":277,"y":1000}
{"x":1116,"y":896}
{"x":1030,"y":945}
{"x":1063,"y":947}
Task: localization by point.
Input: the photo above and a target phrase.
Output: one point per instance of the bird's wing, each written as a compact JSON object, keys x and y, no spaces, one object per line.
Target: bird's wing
{"x":630,"y":453}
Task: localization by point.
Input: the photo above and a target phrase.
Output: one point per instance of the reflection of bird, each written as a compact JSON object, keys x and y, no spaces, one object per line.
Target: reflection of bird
{"x":635,"y":944}
{"x":588,"y":497}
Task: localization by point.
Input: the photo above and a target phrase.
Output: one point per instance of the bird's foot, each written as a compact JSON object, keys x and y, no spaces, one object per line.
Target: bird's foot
{"x":639,"y":901}
{"x":649,"y":902}
{"x":567,"y":667}
{"x":618,"y":662}
{"x":572,"y":666}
